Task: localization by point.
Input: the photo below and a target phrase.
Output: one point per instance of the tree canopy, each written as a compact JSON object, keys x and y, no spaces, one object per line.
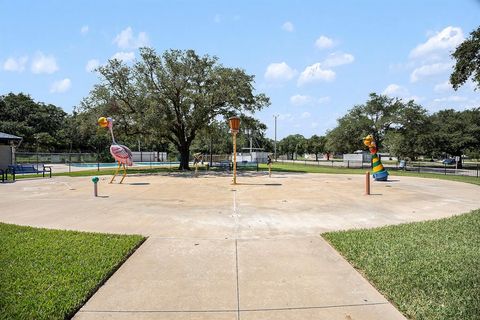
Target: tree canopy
{"x":173,"y":95}
{"x":42,"y":126}
{"x":467,"y":56}
{"x":376,"y":117}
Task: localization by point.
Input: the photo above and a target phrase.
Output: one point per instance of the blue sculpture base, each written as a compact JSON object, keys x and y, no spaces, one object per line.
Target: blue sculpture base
{"x":381,"y":176}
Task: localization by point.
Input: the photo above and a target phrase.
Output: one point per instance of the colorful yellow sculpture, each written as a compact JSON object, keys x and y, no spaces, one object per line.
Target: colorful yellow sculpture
{"x":379,"y":172}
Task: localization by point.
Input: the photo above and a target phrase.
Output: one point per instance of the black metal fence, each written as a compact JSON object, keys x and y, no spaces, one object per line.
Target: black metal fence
{"x":471,"y":169}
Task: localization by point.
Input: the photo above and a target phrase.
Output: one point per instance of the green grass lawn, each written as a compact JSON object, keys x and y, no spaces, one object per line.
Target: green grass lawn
{"x":429,"y":270}
{"x":284,"y":167}
{"x":49,"y":274}
{"x":277,"y":167}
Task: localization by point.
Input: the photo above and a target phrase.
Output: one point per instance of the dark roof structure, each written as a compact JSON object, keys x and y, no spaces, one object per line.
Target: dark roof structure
{"x":9,"y":137}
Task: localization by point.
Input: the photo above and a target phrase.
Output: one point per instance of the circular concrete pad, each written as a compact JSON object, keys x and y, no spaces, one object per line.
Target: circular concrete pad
{"x":179,"y":205}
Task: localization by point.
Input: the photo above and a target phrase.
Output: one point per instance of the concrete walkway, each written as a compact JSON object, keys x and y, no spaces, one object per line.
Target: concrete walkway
{"x":252,"y":251}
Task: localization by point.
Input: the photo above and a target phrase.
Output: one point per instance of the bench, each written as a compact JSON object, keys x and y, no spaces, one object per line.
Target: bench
{"x":222,"y":165}
{"x":246,"y":165}
{"x":229,"y":165}
{"x":29,"y":168}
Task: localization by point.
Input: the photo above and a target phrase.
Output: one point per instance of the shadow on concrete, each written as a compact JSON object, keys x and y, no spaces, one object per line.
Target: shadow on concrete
{"x":259,"y":184}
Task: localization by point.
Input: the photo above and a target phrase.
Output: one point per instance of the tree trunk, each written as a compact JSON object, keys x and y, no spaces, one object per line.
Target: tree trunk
{"x":184,"y":157}
{"x":316,"y":156}
{"x":459,"y":163}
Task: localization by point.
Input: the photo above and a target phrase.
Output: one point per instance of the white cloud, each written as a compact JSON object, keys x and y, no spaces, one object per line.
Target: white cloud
{"x":305,"y":115}
{"x":429,"y":70}
{"x":451,"y":99}
{"x":395,"y":90}
{"x":127,"y":40}
{"x":84,"y":30}
{"x":299,"y":100}
{"x":443,"y":87}
{"x":279,"y":72}
{"x":44,"y":64}
{"x":445,"y":40}
{"x":338,"y":59}
{"x":285,"y":117}
{"x":288,"y":26}
{"x":92,"y":64}
{"x":15,"y":65}
{"x":315,"y":73}
{"x":323,"y":100}
{"x":324,"y":42}
{"x":61,"y":86}
{"x":124,"y":56}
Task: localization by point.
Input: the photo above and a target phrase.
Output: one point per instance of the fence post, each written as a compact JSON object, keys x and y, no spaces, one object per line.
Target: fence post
{"x":477,"y":170}
{"x":445,"y":166}
{"x":69,"y":162}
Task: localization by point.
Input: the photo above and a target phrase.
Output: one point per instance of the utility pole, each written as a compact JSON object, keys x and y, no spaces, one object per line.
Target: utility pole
{"x":249,"y":132}
{"x":275,"y":143}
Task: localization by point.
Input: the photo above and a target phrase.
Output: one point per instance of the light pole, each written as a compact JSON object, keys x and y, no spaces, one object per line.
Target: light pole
{"x":249,"y":133}
{"x":234,"y":123}
{"x":275,"y":141}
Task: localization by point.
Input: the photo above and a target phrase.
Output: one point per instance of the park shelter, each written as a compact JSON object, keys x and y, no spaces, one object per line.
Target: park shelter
{"x":8,"y":143}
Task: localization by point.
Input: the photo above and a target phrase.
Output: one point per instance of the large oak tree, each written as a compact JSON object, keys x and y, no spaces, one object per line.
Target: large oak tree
{"x":173,"y":95}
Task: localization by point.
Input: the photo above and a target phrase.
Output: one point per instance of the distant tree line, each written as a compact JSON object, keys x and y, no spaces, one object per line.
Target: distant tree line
{"x":403,"y":129}
{"x":47,"y":128}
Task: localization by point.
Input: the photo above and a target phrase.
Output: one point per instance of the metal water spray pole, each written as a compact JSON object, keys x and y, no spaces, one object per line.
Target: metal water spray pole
{"x":95,"y":188}
{"x":367,"y":183}
{"x":234,"y":123}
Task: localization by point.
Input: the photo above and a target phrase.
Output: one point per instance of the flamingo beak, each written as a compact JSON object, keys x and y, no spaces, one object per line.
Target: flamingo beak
{"x":103,"y":122}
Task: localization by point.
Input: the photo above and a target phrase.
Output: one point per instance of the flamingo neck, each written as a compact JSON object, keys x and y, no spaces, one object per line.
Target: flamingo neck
{"x":111,"y":132}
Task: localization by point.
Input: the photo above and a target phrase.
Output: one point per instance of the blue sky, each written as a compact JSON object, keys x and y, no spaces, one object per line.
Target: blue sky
{"x":314,"y":59}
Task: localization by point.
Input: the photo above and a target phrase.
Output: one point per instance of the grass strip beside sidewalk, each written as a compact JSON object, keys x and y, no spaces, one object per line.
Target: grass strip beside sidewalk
{"x":50,"y":274}
{"x":429,"y":270}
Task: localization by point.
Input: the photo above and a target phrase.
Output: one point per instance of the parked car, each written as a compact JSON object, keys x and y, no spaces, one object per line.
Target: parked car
{"x":448,"y":161}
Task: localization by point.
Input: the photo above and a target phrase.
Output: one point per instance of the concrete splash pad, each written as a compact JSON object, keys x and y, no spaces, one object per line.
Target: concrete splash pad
{"x":217,"y":251}
{"x":285,"y":205}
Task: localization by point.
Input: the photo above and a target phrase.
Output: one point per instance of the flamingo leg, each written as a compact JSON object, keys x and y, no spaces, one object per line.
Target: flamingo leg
{"x":116,"y":172}
{"x":125,"y":173}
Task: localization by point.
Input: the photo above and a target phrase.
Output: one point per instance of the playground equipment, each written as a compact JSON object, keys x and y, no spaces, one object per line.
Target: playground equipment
{"x":119,"y":152}
{"x":379,"y":172}
{"x":197,"y":158}
{"x":234,"y":123}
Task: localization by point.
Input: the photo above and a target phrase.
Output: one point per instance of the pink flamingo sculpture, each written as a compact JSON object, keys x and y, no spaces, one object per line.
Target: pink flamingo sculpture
{"x":119,"y":152}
